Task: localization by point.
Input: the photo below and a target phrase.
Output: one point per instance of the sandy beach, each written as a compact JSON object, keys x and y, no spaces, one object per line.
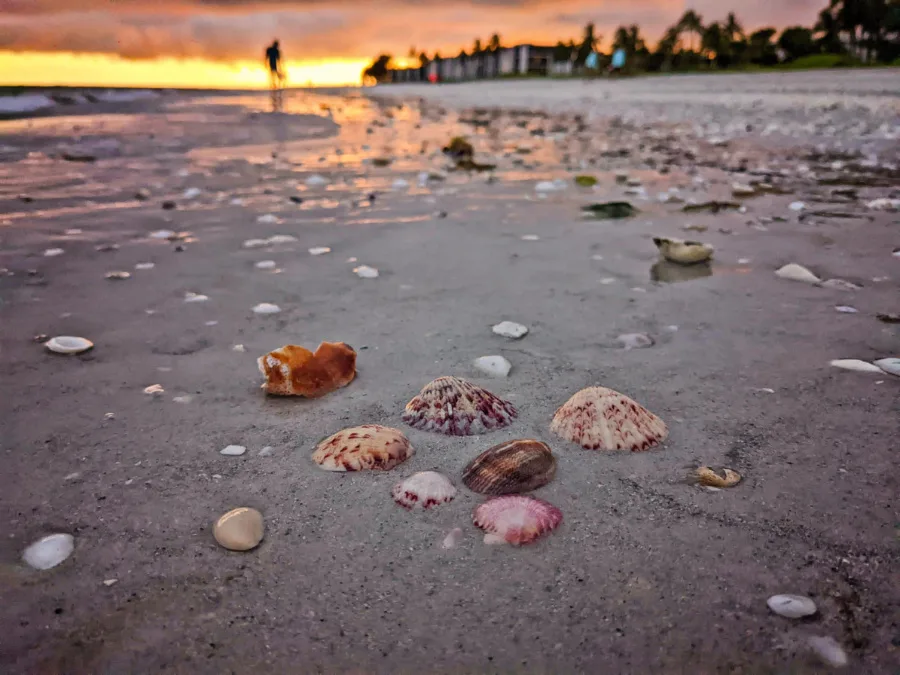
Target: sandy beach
{"x":648,"y":572}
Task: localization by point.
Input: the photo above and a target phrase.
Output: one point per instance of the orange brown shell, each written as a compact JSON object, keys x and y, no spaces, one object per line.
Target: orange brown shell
{"x":296,"y":371}
{"x":369,"y":447}
{"x":598,"y":418}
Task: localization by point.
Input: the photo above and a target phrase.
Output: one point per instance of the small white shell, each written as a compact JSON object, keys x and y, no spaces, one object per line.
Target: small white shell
{"x":255,"y":243}
{"x":145,"y":266}
{"x":267,"y":219}
{"x":118,"y":275}
{"x":316,"y":181}
{"x":161,"y":234}
{"x":53,"y":252}
{"x":828,"y":650}
{"x":265,"y":264}
{"x":495,"y":366}
{"x":282,"y":239}
{"x":154,"y":389}
{"x":49,"y":551}
{"x":890,"y":365}
{"x":266,"y":308}
{"x":796,"y":272}
{"x":510,"y":329}
{"x":791,"y":606}
{"x":319,"y":250}
{"x":195,"y":297}
{"x":856,"y":364}
{"x":366,"y":272}
{"x":67,"y":344}
{"x":424,"y":489}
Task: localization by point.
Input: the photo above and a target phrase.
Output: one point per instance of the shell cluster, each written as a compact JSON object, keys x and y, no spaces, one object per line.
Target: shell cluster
{"x":296,"y":371}
{"x":452,"y":406}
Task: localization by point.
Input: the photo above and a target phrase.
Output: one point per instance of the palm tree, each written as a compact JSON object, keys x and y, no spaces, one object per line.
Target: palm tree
{"x":692,"y":24}
{"x":476,"y":48}
{"x":829,"y":31}
{"x":714,"y":43}
{"x":733,"y":29}
{"x":494,"y":44}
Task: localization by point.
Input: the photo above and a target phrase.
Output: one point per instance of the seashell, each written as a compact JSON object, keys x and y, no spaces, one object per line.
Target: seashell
{"x":154,"y":389}
{"x":192,"y":193}
{"x":195,"y":297}
{"x":145,"y":266}
{"x":846,"y":309}
{"x":515,"y":519}
{"x":530,"y":237}
{"x":452,"y":406}
{"x":884,"y":204}
{"x":635,"y":341}
{"x":453,"y":538}
{"x":316,"y":181}
{"x":162,"y":234}
{"x":118,"y":275}
{"x":233,"y":450}
{"x":510,"y":329}
{"x":743,"y":190}
{"x":598,"y":418}
{"x":495,"y":366}
{"x":425,"y":489}
{"x":48,"y":552}
{"x":72,"y":231}
{"x":512,"y":467}
{"x":240,"y":529}
{"x":68,"y":344}
{"x":889,"y":365}
{"x":265,"y":264}
{"x":683,"y":252}
{"x":828,"y":650}
{"x":708,"y":477}
{"x":319,"y":250}
{"x":370,"y":446}
{"x":267,"y":219}
{"x":840,"y":285}
{"x":797,"y":206}
{"x":791,"y":606}
{"x":855,"y":364}
{"x":796,"y":272}
{"x":255,"y":243}
{"x":365,"y":272}
{"x":266,"y":308}
{"x":281,"y":239}
{"x":53,"y":252}
{"x":296,"y":371}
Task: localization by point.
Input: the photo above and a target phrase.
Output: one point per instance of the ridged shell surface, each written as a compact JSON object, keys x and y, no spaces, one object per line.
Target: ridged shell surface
{"x":455,"y":407}
{"x":370,"y":446}
{"x":424,"y":489}
{"x":598,"y":418}
{"x":512,"y":467}
{"x":516,"y":519}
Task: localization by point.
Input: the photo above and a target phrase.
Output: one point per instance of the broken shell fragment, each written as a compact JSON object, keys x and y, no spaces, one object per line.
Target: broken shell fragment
{"x":240,"y":529}
{"x":710,"y":478}
{"x":855,"y":364}
{"x":154,"y":389}
{"x":369,"y":447}
{"x":295,"y":371}
{"x":53,"y":252}
{"x":452,"y":406}
{"x":68,"y":344}
{"x":195,"y":297}
{"x":495,"y":366}
{"x":319,"y":250}
{"x":598,"y":418}
{"x":683,"y":252}
{"x":266,"y":308}
{"x":791,"y":606}
{"x":796,"y":272}
{"x":118,"y":275}
{"x":890,"y":365}
{"x":512,"y":467}
{"x":425,"y":489}
{"x":365,"y":272}
{"x":453,"y":538}
{"x":516,"y":519}
{"x":48,"y":552}
{"x":510,"y":329}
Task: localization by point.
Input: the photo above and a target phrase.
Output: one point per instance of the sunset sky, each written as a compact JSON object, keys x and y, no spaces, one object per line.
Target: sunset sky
{"x":220,"y":43}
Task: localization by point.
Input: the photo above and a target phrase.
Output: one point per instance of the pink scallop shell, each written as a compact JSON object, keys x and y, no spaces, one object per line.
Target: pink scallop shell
{"x":449,"y":405}
{"x":516,"y":519}
{"x":425,"y":489}
{"x":598,"y":418}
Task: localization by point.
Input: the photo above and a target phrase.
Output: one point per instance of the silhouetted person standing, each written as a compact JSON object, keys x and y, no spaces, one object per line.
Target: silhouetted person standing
{"x":276,"y":75}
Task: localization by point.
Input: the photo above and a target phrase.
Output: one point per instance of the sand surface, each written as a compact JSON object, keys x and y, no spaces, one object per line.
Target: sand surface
{"x":646,"y":574}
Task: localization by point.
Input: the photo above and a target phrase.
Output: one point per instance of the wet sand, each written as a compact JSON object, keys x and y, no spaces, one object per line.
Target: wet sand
{"x":647,"y":573}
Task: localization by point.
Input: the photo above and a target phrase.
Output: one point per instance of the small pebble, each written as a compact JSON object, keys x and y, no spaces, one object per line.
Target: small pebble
{"x":530,"y":237}
{"x":510,"y":329}
{"x":791,"y":606}
{"x":266,"y":451}
{"x":154,"y":389}
{"x":266,"y":308}
{"x":239,"y":530}
{"x":195,"y":297}
{"x":366,"y":272}
{"x":495,"y":366}
{"x":635,"y":341}
{"x":233,"y":450}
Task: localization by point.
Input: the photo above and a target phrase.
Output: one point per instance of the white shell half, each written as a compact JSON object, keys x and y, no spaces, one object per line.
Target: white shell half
{"x":495,"y":366}
{"x":266,"y":308}
{"x":68,"y":344}
{"x":510,"y":329}
{"x":791,"y":606}
{"x":857,"y":365}
{"x":424,"y":489}
{"x":891,"y":365}
{"x":49,"y":551}
{"x":319,"y":250}
{"x":796,"y":272}
{"x":365,"y":272}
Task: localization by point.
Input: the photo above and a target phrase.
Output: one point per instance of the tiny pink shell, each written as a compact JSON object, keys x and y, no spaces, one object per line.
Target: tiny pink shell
{"x":516,"y":519}
{"x":425,"y":489}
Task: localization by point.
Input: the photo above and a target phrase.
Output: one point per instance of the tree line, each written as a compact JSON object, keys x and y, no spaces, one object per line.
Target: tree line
{"x":850,"y":30}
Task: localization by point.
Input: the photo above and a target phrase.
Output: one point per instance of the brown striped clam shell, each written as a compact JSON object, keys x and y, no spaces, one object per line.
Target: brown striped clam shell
{"x":512,"y":467}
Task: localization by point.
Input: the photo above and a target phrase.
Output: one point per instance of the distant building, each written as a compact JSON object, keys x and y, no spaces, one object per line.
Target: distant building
{"x":518,"y":60}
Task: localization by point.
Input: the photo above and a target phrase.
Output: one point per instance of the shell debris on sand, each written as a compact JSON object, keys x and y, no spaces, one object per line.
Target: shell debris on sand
{"x":319,"y":250}
{"x":53,"y":252}
{"x":367,"y":447}
{"x":424,"y":489}
{"x":511,"y":467}
{"x":68,"y":344}
{"x":710,"y":478}
{"x":495,"y":366}
{"x":791,"y":606}
{"x":154,"y":389}
{"x":240,"y":529}
{"x":48,"y":552}
{"x":683,"y":252}
{"x":195,"y":297}
{"x":796,"y":272}
{"x":510,"y":329}
{"x":598,"y":418}
{"x":635,"y":341}
{"x":455,"y":407}
{"x":365,"y":272}
{"x":855,"y":364}
{"x":266,"y":308}
{"x":118,"y":275}
{"x":516,"y":519}
{"x":295,"y":371}
{"x":233,"y":450}
{"x":453,"y":538}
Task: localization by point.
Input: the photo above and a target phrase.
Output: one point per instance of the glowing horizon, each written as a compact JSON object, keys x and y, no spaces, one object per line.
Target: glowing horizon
{"x":66,"y":69}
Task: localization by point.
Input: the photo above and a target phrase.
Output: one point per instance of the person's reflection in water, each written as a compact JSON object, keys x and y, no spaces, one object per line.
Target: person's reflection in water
{"x":276,"y":76}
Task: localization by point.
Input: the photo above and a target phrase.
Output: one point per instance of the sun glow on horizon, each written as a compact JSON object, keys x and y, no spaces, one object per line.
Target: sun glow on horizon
{"x":100,"y":70}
